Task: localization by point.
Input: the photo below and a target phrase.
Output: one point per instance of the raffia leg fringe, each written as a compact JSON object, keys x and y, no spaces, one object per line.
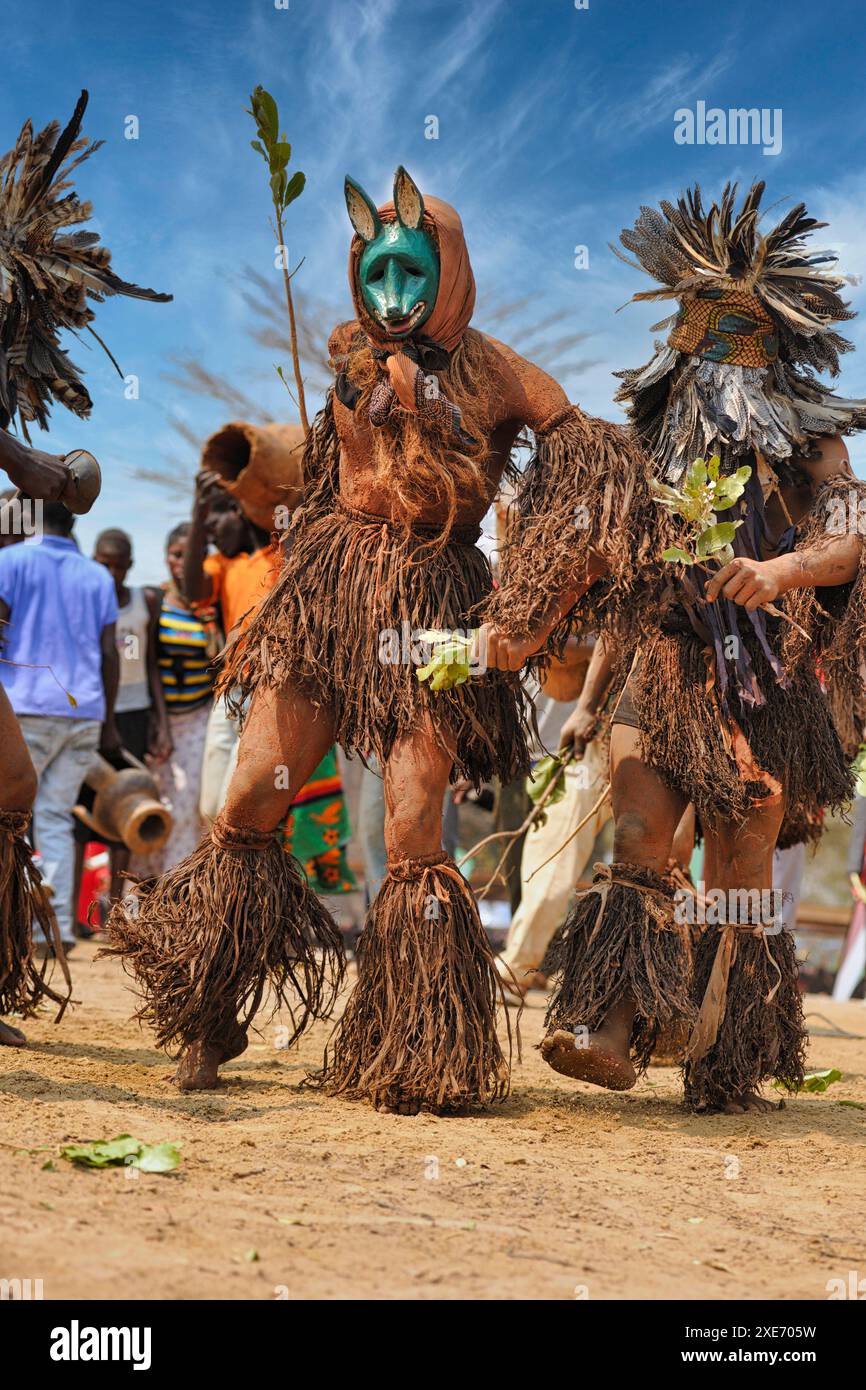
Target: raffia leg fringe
{"x":759,"y":1031}
{"x":621,"y":939}
{"x":205,"y":941}
{"x":420,"y":1027}
{"x":23,"y":901}
{"x":670,"y":1045}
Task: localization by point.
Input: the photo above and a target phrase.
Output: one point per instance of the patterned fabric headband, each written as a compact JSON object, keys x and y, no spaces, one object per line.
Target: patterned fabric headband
{"x":731,"y":326}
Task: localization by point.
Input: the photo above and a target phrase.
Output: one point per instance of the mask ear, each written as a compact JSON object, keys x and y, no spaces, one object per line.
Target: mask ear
{"x":407,"y":200}
{"x":362,"y":212}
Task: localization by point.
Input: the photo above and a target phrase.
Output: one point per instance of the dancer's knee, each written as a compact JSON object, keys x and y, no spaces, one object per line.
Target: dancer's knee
{"x":637,"y":841}
{"x":20,"y":785}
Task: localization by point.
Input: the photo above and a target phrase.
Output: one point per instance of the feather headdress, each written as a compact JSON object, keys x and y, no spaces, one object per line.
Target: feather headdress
{"x":757,"y":320}
{"x":48,"y":273}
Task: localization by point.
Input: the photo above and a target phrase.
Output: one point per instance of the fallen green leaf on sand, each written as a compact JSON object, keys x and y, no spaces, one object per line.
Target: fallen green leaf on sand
{"x":125,"y":1152}
{"x":854,"y":1104}
{"x":813,"y":1082}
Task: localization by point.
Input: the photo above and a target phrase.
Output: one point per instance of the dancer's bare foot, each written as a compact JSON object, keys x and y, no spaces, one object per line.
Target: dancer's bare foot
{"x":198,"y":1068}
{"x":750,"y":1103}
{"x":11,"y":1037}
{"x":601,"y":1058}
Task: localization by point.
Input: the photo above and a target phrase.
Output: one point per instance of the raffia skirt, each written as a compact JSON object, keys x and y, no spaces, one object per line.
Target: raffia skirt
{"x":340,"y":628}
{"x":727,"y":763}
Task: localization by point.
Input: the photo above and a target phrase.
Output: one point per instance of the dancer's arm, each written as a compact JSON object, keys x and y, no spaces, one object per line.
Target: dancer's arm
{"x":37,"y":474}
{"x":505,"y":653}
{"x":579,"y":728}
{"x":583,"y":511}
{"x":832,"y":560}
{"x":196,"y":581}
{"x":756,"y":582}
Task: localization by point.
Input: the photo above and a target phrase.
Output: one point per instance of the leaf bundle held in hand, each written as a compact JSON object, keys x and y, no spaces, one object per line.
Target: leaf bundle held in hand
{"x":449,"y":664}
{"x":704,"y":493}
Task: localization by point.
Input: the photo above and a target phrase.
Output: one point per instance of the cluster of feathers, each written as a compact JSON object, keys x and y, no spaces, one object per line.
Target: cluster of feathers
{"x":48,"y":273}
{"x":685,"y":408}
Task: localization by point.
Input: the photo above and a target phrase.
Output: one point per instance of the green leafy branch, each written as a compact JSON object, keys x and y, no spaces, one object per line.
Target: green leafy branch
{"x":276,"y":152}
{"x":545,"y":787}
{"x":548,"y":775}
{"x":124,"y":1152}
{"x":704,"y":493}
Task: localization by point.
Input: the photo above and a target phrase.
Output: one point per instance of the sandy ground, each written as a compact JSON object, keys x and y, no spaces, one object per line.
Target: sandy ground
{"x":561,"y":1192}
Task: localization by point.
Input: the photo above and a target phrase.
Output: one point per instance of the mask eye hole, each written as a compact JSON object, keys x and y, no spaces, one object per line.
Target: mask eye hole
{"x":376,"y":275}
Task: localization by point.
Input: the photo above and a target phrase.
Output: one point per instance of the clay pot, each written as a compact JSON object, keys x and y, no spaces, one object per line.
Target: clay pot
{"x":83,"y":483}
{"x":127,"y":806}
{"x":260,"y":465}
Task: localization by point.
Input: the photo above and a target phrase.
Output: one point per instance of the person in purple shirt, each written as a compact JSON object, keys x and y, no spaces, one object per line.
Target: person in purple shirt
{"x":58,"y":611}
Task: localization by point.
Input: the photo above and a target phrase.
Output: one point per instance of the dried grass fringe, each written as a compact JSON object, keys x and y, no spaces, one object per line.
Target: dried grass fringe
{"x":835,"y":616}
{"x":683,"y":734}
{"x":347,"y":580}
{"x":635,"y":949}
{"x":756,"y":1040}
{"x":421,"y":466}
{"x":585,"y":491}
{"x":24,"y":984}
{"x":420,"y":1026}
{"x":205,"y":941}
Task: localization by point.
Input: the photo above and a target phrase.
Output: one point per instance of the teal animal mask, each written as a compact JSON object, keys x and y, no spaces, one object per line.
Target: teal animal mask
{"x":398,"y":270}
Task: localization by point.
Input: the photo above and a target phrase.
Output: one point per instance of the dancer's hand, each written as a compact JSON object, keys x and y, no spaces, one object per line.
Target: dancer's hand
{"x":578,"y":730}
{"x":459,"y":790}
{"x":751,"y":583}
{"x":503,"y":653}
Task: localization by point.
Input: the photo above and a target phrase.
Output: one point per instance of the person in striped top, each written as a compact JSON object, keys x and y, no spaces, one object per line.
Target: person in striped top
{"x":187,"y":642}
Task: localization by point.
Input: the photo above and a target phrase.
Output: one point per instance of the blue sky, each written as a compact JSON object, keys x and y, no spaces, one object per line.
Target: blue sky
{"x":555,"y":124}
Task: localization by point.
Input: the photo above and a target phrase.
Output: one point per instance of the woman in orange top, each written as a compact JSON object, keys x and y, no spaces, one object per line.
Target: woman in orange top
{"x":236,"y":576}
